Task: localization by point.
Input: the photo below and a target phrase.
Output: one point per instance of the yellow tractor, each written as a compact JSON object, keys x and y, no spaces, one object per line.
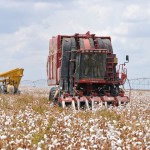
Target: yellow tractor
{"x":10,"y":80}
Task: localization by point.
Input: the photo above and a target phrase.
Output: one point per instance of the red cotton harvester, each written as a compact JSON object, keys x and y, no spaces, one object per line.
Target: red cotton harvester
{"x":82,"y":71}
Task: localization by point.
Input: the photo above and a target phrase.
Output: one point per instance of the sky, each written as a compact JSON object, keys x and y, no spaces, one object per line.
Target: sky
{"x":27,"y":25}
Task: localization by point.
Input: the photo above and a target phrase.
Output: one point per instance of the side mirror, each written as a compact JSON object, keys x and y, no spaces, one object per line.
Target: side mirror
{"x":127,"y":58}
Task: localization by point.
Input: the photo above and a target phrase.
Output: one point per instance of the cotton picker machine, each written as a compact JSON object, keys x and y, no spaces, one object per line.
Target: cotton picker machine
{"x":82,"y":70}
{"x":10,"y":80}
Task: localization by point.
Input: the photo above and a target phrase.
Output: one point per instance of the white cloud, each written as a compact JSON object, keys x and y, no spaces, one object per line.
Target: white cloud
{"x":136,"y":13}
{"x":9,"y":4}
{"x":45,"y":6}
{"x":40,"y":6}
{"x":27,"y":44}
{"x":121,"y":29}
{"x":27,"y":48}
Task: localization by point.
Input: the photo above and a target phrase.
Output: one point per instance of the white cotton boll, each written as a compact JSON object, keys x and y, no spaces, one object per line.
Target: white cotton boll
{"x":26,"y":136}
{"x":69,"y":147}
{"x":50,"y":146}
{"x":114,"y":147}
{"x":6,"y":123}
{"x":91,"y":140}
{"x":82,"y":148}
{"x":42,"y":142}
{"x":21,"y":140}
{"x":39,"y":143}
{"x":33,"y":131}
{"x":59,"y":119}
{"x":72,"y":140}
{"x":82,"y":144}
{"x":137,"y":124}
{"x":91,"y":121}
{"x":45,"y":136}
{"x":34,"y":145}
{"x":3,"y":137}
{"x":140,"y":134}
{"x":20,"y":148}
{"x":111,"y":127}
{"x":111,"y":137}
{"x":11,"y":135}
{"x":94,"y":146}
{"x":30,"y":128}
{"x":103,"y":138}
{"x":147,"y":147}
{"x":99,"y":132}
{"x":134,"y":143}
{"x":139,"y":143}
{"x":11,"y":142}
{"x":43,"y":128}
{"x":119,"y":148}
{"x":129,"y":128}
{"x":134,"y":138}
{"x":55,"y":141}
{"x":114,"y":121}
{"x":66,"y":118}
{"x":113,"y":143}
{"x":29,"y":141}
{"x":119,"y":142}
{"x":68,"y":130}
{"x":39,"y":148}
{"x":124,"y":127}
{"x":92,"y":129}
{"x":69,"y":124}
{"x":65,"y":123}
{"x":33,"y":125}
{"x":128,"y":146}
{"x":118,"y":133}
{"x":134,"y":117}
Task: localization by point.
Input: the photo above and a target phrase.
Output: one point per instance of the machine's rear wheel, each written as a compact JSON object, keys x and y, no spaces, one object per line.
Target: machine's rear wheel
{"x":105,"y":44}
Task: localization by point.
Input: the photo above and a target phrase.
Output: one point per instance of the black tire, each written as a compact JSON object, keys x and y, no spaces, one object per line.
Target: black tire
{"x":1,"y":91}
{"x":16,"y":90}
{"x":105,"y":44}
{"x":59,"y":104}
{"x":65,"y":62}
{"x":52,"y":93}
{"x":91,"y":42}
{"x":81,"y":43}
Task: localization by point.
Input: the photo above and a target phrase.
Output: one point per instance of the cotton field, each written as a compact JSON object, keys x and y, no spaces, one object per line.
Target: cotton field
{"x":30,"y":121}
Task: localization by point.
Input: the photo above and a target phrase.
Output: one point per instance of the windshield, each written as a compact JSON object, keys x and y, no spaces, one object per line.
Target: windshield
{"x":92,"y":65}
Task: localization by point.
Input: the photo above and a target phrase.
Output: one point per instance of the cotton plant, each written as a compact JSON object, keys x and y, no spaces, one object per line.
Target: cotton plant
{"x":29,"y":121}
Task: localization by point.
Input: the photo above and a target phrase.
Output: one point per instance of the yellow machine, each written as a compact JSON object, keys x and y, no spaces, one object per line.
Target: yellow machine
{"x":10,"y":80}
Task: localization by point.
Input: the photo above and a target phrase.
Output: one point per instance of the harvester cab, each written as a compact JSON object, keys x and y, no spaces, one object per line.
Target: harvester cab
{"x":10,"y":80}
{"x":82,"y":69}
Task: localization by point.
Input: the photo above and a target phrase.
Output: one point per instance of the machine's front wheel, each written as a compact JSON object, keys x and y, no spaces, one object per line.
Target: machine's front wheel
{"x":1,"y":91}
{"x":52,"y":93}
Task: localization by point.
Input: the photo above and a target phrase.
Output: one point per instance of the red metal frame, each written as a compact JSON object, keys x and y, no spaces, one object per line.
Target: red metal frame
{"x":55,"y":55}
{"x":54,"y":63}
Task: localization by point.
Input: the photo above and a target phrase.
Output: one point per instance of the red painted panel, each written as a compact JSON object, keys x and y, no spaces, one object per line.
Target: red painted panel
{"x":86,"y":44}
